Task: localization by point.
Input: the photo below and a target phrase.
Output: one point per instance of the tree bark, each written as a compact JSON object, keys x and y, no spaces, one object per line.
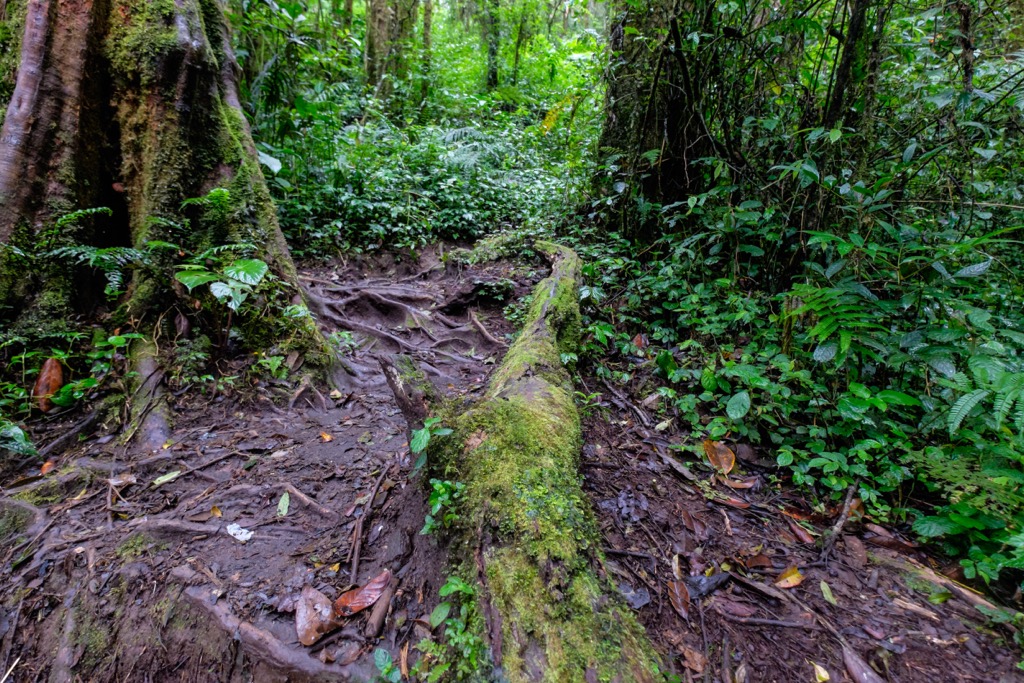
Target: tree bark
{"x":132,"y":105}
{"x":428,"y":22}
{"x":492,"y":37}
{"x":527,"y":536}
{"x":654,"y":127}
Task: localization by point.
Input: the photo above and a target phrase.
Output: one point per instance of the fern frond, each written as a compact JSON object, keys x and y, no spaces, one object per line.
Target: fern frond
{"x":963,"y":406}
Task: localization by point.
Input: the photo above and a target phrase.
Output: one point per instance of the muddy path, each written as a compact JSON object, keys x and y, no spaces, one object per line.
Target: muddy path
{"x":666,"y":516}
{"x":194,"y":561}
{"x":186,"y":564}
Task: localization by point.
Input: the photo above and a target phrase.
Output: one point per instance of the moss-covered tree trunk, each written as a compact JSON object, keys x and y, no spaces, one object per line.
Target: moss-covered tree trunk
{"x":528,"y":536}
{"x":389,"y":29}
{"x":131,"y":105}
{"x":654,"y":130}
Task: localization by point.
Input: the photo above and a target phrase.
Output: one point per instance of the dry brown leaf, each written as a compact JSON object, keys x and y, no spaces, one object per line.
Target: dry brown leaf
{"x":801,"y":533}
{"x":857,"y":554}
{"x":325,"y":437}
{"x":679,"y":596}
{"x":759,"y":561}
{"x":721,"y":456}
{"x":215,"y":512}
{"x":695,"y":661}
{"x":791,"y":578}
{"x":856,"y":510}
{"x":49,"y":382}
{"x":314,"y":616}
{"x":747,"y":483}
{"x":358,"y":599}
{"x":694,"y":525}
{"x":736,"y":609}
{"x":47,"y":467}
{"x":403,"y":660}
{"x":733,"y":502}
{"x":475,"y":439}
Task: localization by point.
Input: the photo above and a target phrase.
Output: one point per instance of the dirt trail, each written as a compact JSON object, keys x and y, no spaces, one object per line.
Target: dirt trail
{"x":896,"y":616}
{"x":115,"y":570}
{"x":131,"y":573}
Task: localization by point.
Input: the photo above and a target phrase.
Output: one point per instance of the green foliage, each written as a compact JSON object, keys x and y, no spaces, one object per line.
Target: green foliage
{"x":462,"y":654}
{"x":421,"y":438}
{"x":444,"y":497}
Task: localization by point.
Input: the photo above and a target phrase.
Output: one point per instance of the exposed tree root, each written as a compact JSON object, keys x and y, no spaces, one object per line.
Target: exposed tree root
{"x":259,"y":644}
{"x":148,"y":408}
{"x":69,"y":437}
{"x":483,"y":330}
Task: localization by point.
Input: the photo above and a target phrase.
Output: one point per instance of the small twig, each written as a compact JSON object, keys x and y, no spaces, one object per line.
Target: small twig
{"x":309,"y":502}
{"x":8,"y":674}
{"x":483,"y":330}
{"x":362,"y":522}
{"x":754,"y":621}
{"x":380,"y":610}
{"x":837,"y":528}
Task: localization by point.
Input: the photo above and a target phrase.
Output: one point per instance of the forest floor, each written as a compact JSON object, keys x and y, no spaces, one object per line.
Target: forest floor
{"x":117,"y":569}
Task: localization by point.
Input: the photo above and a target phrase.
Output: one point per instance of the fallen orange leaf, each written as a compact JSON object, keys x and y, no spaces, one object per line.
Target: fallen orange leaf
{"x":791,"y":578}
{"x":721,"y":456}
{"x":801,"y":533}
{"x":358,"y":599}
{"x":47,"y":467}
{"x":325,"y":437}
{"x":49,"y":382}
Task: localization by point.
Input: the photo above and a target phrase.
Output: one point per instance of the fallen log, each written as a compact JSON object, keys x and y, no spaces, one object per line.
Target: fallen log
{"x":526,"y":535}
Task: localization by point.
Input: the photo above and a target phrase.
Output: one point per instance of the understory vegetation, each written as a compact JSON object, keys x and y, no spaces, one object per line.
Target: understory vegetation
{"x":800,"y":222}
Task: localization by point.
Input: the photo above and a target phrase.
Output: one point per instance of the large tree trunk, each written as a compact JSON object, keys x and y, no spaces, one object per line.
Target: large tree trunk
{"x":492,"y":38}
{"x":528,"y":540}
{"x":654,"y":124}
{"x":131,"y":105}
{"x":389,"y":28}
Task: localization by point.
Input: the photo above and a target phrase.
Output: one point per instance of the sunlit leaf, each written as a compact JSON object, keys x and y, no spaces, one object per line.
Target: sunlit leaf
{"x":789,"y":578}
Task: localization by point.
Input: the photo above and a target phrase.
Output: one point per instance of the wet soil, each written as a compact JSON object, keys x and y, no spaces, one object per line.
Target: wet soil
{"x":126,"y":567}
{"x":115,"y":568}
{"x":665,"y":516}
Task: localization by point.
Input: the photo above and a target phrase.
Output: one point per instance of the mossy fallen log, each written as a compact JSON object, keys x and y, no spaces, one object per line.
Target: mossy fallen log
{"x":527,"y":535}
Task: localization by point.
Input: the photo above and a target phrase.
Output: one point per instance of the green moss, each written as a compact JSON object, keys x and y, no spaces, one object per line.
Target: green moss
{"x":92,"y":634}
{"x":133,"y":546}
{"x":45,"y":494}
{"x":517,"y":453}
{"x":13,"y":521}
{"x":143,"y":32}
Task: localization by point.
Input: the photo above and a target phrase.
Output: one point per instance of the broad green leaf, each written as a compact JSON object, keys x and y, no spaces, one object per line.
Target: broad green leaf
{"x":282,"y":505}
{"x":933,"y":527}
{"x":738,"y":405}
{"x":440,"y":613}
{"x":826,"y":592}
{"x":974,"y":270}
{"x":420,"y":439}
{"x":270,"y":162}
{"x":194,"y":278}
{"x":249,"y":271}
{"x":14,"y":439}
{"x":826,"y":352}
